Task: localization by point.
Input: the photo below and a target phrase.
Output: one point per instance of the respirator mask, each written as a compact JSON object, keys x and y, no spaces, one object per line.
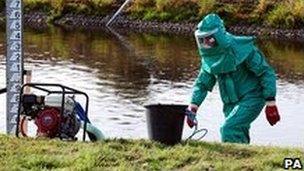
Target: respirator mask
{"x":205,"y":40}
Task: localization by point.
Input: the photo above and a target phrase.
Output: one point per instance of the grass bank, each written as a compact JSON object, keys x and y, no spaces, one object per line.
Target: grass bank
{"x":271,"y":13}
{"x":20,"y":154}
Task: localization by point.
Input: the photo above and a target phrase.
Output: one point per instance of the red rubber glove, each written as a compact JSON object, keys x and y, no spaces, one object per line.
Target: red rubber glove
{"x":193,"y":108}
{"x":272,"y":113}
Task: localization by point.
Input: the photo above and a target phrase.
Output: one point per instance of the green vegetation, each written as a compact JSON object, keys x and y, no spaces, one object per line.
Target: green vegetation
{"x":164,"y":10}
{"x":289,"y":14}
{"x":273,"y":13}
{"x":21,"y":154}
{"x":88,"y":7}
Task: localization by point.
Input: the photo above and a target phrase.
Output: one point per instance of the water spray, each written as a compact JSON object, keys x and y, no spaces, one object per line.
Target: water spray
{"x":118,"y":12}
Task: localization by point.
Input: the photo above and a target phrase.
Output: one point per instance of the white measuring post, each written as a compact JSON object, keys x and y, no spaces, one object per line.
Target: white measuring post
{"x":14,"y":61}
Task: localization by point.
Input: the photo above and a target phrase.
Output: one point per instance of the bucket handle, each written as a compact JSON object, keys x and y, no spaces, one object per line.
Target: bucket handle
{"x":191,"y":115}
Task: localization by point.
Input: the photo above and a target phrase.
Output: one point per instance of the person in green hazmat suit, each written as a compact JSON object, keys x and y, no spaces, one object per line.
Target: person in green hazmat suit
{"x":246,"y":81}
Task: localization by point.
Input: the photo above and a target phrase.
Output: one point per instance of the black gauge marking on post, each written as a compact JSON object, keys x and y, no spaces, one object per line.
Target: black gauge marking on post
{"x":14,"y":61}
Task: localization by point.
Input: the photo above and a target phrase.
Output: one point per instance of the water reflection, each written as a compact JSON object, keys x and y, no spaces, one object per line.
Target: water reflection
{"x":287,"y":58}
{"x":120,"y":74}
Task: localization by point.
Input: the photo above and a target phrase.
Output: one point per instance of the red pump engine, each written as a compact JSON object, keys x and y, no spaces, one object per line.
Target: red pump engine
{"x":47,"y":116}
{"x":48,"y":122}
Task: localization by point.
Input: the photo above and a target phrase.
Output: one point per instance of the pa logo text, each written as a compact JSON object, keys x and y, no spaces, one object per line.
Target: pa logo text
{"x":292,"y":163}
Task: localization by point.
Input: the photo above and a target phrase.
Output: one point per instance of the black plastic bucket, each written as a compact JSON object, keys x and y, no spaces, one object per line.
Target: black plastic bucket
{"x":165,"y":122}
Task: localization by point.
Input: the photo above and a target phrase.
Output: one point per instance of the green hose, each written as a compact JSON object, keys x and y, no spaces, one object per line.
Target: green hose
{"x":95,"y":134}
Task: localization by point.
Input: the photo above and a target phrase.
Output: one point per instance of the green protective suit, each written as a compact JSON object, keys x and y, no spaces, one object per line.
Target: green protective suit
{"x":244,"y":77}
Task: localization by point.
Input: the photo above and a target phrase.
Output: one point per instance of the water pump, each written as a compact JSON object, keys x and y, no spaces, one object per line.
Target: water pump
{"x":46,"y":113}
{"x":56,"y":115}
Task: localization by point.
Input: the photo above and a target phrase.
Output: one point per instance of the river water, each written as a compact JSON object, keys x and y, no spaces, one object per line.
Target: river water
{"x":122,"y":72}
